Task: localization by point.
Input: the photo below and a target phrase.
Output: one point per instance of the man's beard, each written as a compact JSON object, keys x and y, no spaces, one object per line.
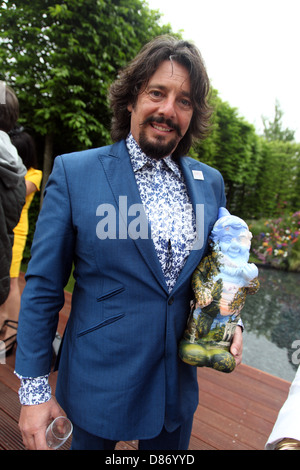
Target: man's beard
{"x":159,"y":149}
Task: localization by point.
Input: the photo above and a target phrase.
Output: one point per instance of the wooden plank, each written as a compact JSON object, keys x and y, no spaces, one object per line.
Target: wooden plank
{"x":8,"y":377}
{"x":247,"y":394}
{"x":235,"y":413}
{"x":9,"y":402}
{"x":238,"y":432}
{"x":197,"y":444}
{"x":216,"y":438}
{"x":127,"y":445}
{"x":264,"y":377}
{"x":247,"y":387}
{"x":10,"y":437}
{"x":235,"y":399}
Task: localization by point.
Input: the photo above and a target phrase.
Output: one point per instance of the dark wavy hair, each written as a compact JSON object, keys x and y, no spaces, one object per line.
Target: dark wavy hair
{"x":134,"y":78}
{"x":9,"y":111}
{"x":25,"y":145}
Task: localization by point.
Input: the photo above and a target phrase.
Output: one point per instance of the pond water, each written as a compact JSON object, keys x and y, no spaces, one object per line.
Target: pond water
{"x":272,"y":324}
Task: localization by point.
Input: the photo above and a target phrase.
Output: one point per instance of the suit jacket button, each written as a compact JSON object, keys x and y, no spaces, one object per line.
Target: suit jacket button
{"x":171,"y":300}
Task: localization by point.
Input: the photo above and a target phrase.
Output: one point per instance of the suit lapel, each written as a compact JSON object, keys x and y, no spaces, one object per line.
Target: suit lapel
{"x":120,"y":175}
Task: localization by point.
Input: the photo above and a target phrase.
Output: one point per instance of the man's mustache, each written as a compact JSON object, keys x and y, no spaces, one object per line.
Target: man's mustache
{"x":162,"y":120}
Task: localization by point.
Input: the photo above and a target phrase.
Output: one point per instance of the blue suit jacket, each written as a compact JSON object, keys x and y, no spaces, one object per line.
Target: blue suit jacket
{"x":120,"y":376}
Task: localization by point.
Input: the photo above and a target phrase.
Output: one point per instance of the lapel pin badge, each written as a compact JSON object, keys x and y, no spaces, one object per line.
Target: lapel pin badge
{"x":198,"y":175}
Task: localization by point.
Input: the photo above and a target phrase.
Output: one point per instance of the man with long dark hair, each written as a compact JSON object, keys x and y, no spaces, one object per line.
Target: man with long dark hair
{"x":134,"y":218}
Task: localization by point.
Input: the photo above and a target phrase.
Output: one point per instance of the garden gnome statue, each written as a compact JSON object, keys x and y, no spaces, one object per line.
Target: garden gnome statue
{"x":220,"y":283}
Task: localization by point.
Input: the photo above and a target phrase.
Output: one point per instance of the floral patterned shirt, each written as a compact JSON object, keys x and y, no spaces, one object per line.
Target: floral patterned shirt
{"x":168,"y":208}
{"x":173,"y":231}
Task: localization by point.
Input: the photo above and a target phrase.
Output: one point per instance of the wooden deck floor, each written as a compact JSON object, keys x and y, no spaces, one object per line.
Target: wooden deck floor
{"x":236,"y":411}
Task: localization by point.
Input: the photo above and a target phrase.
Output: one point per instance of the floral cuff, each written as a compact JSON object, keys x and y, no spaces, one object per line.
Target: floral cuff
{"x":34,"y":390}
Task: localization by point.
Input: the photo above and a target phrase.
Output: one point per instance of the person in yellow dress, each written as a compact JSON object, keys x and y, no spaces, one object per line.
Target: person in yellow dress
{"x":27,"y":151}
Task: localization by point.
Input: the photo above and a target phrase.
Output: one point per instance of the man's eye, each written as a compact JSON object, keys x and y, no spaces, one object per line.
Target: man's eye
{"x":186,"y":103}
{"x":155,"y":93}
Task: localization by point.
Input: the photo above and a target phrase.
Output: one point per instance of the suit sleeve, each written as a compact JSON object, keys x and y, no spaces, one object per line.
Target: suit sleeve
{"x":46,"y":277}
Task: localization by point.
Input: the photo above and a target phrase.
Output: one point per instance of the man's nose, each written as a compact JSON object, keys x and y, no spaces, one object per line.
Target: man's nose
{"x":168,"y":108}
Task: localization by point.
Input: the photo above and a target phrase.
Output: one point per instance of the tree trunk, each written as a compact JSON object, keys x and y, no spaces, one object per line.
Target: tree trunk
{"x":47,"y":163}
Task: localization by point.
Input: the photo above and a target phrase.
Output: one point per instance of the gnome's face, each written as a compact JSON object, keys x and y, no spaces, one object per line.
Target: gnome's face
{"x":235,"y":243}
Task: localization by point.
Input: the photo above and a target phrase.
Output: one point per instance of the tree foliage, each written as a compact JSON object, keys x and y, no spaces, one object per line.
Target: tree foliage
{"x":273,"y":130}
{"x":60,"y":56}
{"x":262,"y":175}
{"x":234,"y":149}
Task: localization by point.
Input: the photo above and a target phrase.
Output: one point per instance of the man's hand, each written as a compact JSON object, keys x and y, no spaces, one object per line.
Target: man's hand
{"x":236,"y":348}
{"x":34,"y":420}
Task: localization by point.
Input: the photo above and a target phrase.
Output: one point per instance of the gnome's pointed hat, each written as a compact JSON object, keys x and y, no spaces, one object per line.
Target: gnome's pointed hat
{"x":225,"y":219}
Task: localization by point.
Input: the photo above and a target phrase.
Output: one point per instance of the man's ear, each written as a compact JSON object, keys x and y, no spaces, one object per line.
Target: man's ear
{"x":130,"y":107}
